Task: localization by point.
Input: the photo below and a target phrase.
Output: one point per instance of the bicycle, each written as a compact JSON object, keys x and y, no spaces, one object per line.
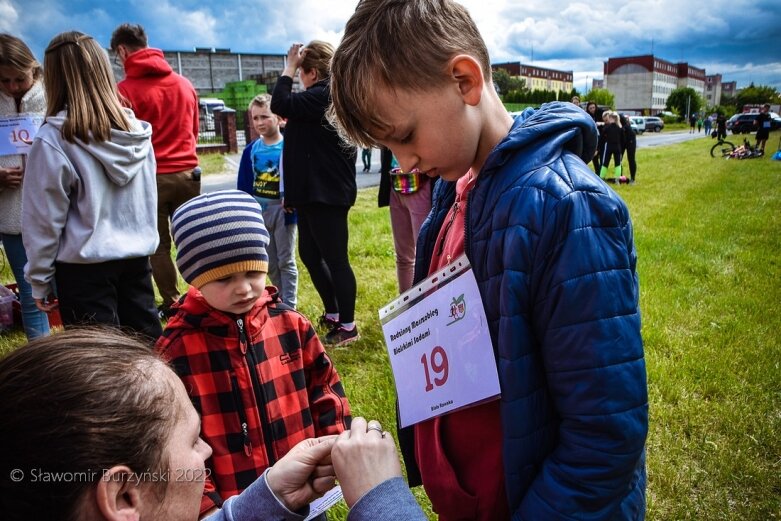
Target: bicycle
{"x":722,"y":148}
{"x":746,"y":151}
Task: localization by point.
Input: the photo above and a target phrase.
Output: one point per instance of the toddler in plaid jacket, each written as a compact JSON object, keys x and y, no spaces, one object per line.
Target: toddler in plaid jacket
{"x":254,"y":367}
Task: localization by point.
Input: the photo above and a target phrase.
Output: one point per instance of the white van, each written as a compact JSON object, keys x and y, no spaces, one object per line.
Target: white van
{"x":206,"y":108}
{"x":638,"y":124}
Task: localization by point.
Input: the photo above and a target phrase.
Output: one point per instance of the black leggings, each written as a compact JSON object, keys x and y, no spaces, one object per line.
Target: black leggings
{"x":630,"y":158}
{"x":322,"y":245}
{"x":611,"y":150}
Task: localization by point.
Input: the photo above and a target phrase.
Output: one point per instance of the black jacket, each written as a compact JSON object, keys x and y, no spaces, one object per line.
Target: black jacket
{"x":318,"y":167}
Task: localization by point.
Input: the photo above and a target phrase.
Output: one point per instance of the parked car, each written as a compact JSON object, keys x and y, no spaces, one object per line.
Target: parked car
{"x":638,"y":124}
{"x":744,"y":123}
{"x":653,"y":123}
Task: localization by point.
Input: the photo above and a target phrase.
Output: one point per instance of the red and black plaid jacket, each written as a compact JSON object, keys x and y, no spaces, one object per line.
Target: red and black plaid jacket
{"x":261,"y":382}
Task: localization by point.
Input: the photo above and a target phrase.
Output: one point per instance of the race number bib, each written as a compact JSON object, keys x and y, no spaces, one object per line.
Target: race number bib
{"x":17,"y":133}
{"x":439,"y":345}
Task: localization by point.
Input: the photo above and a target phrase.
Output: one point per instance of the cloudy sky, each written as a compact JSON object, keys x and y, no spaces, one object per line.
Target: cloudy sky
{"x":739,"y":39}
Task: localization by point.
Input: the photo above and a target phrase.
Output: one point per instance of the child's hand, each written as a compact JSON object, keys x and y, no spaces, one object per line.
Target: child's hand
{"x":304,"y":473}
{"x":48,"y":304}
{"x":11,"y":177}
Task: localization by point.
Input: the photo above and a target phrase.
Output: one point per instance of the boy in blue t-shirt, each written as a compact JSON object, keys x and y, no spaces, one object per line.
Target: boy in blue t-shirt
{"x":260,"y":175}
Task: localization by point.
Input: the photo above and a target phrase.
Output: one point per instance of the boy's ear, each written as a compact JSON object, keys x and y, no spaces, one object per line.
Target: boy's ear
{"x":466,"y":71}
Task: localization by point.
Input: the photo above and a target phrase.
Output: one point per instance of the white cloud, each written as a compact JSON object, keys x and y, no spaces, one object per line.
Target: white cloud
{"x":8,"y":16}
{"x":173,"y":26}
{"x":569,"y":35}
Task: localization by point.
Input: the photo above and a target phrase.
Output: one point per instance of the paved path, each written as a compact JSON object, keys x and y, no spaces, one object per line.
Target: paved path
{"x":227,"y":179}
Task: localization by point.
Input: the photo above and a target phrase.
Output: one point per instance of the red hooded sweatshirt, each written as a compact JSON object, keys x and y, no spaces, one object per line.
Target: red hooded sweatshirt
{"x":169,"y":102}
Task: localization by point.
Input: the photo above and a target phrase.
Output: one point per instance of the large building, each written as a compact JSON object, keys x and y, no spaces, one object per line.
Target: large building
{"x":210,"y":69}
{"x":642,"y":84}
{"x":729,"y":89}
{"x":538,"y":78}
{"x":713,"y":90}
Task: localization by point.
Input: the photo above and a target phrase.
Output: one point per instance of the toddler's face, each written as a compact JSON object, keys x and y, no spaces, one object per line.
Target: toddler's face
{"x":434,"y":131}
{"x":235,"y":293}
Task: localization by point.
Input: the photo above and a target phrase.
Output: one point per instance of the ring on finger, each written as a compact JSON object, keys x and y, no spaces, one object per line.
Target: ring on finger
{"x":377,"y":428}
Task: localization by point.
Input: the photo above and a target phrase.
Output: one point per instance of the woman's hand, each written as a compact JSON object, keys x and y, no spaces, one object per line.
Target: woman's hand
{"x":294,"y":59}
{"x":303,"y":474}
{"x":364,"y":457}
{"x":11,"y":177}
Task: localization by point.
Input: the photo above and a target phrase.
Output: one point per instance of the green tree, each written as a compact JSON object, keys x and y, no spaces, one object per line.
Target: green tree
{"x":505,"y":83}
{"x":601,"y":97}
{"x":752,"y":95}
{"x":501,"y":80}
{"x":682,"y":99}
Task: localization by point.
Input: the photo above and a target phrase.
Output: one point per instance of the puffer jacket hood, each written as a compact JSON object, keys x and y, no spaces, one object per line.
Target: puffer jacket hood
{"x":123,"y":156}
{"x":147,"y":62}
{"x":545,"y":133}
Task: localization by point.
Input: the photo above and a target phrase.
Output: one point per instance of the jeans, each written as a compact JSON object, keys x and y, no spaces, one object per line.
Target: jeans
{"x":173,"y":190}
{"x":322,"y":244}
{"x":35,"y":321}
{"x":407,"y":213}
{"x":282,"y":269}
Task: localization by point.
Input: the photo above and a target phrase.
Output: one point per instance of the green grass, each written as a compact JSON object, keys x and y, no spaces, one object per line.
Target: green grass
{"x":707,"y":234}
{"x":211,"y":163}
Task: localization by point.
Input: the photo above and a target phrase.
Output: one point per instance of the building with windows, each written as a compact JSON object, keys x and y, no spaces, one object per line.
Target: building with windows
{"x":713,"y":90}
{"x":209,"y":69}
{"x":538,"y":78}
{"x":729,"y":89}
{"x":642,"y":84}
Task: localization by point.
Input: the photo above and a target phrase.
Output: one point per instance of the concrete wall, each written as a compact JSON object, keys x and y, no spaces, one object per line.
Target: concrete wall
{"x":631,"y":86}
{"x":210,"y":71}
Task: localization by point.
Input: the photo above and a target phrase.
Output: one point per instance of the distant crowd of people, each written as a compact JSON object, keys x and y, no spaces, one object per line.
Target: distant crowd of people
{"x":616,"y":138}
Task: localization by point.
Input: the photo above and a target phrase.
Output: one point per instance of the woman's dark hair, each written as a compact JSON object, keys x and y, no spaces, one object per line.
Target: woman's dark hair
{"x":73,"y":405}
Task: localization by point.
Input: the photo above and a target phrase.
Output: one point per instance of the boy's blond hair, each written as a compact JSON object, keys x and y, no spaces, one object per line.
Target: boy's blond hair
{"x":78,"y":78}
{"x":261,"y":100}
{"x":396,"y":44}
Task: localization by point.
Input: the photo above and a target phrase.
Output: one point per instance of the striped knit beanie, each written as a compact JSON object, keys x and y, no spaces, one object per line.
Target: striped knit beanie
{"x":218,"y":234}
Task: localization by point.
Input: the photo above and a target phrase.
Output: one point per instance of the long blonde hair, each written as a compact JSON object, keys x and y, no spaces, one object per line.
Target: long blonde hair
{"x":78,"y":78}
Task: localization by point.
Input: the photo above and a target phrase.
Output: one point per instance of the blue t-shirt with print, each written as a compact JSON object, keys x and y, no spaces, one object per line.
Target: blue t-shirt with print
{"x":265,"y":164}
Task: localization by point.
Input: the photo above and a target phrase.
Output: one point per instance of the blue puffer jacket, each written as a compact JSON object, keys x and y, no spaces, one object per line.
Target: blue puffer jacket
{"x":552,"y":250}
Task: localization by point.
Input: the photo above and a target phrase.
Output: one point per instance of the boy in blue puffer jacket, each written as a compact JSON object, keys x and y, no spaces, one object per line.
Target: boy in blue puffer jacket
{"x":552,"y":250}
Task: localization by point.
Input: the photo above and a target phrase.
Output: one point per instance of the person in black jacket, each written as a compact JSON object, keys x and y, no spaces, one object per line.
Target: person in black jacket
{"x":611,"y":147}
{"x":320,"y":183}
{"x":630,"y":146}
{"x":596,"y":114}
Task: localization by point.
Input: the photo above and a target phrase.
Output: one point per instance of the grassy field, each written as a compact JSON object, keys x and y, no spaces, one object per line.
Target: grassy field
{"x":707,"y":233}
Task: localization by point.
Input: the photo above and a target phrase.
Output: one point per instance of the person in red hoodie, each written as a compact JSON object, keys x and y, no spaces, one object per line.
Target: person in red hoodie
{"x":169,"y":102}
